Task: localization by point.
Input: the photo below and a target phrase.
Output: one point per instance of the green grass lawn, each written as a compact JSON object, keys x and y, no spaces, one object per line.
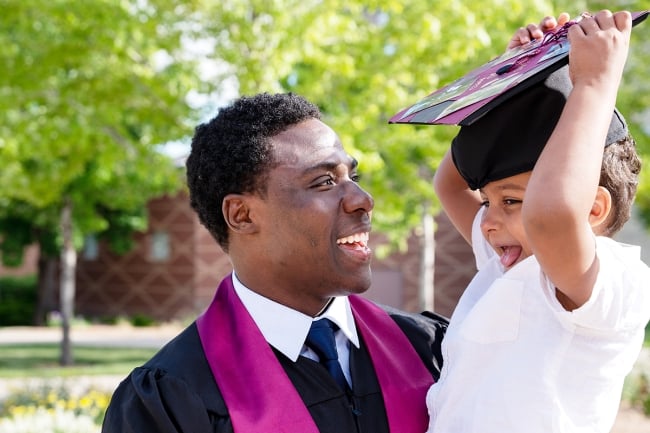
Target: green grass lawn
{"x":42,"y":360}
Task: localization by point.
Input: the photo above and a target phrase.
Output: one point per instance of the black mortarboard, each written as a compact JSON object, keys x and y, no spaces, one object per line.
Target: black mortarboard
{"x":508,"y":139}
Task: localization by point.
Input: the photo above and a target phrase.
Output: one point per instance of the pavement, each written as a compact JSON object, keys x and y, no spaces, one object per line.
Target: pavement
{"x":629,"y":420}
{"x":93,"y":335}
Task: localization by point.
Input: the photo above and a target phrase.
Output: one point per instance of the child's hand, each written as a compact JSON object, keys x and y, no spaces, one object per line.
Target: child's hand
{"x":536,"y":31}
{"x":599,"y":48}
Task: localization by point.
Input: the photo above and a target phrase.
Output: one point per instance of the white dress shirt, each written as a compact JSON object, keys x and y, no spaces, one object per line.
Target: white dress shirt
{"x":286,"y":329}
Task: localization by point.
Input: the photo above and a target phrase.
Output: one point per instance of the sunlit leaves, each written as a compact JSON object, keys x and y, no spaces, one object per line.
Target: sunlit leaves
{"x":86,"y":100}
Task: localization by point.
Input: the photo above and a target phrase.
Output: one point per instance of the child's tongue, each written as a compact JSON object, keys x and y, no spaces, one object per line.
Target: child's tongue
{"x":510,"y":255}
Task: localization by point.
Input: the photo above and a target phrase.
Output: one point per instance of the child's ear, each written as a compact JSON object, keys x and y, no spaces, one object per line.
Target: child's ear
{"x":600,"y":210}
{"x":236,"y":209}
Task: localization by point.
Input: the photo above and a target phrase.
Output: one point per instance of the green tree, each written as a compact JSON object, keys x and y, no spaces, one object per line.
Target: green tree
{"x":88,"y":92}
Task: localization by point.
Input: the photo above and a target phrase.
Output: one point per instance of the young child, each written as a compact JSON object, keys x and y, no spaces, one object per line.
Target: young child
{"x":547,"y":330}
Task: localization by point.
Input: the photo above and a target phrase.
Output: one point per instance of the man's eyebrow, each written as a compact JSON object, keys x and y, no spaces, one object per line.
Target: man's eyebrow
{"x":333,"y":165}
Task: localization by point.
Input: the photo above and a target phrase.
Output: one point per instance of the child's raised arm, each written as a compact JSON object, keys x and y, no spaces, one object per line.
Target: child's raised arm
{"x":458,"y":201}
{"x":564,"y":205}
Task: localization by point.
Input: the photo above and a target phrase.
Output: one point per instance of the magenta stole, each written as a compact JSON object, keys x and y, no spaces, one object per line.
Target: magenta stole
{"x":257,"y":391}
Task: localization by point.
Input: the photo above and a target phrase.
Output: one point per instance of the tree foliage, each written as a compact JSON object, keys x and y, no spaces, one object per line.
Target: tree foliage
{"x":88,"y":90}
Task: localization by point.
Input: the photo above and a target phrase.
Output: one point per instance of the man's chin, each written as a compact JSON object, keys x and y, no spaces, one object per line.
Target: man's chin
{"x":359,"y":286}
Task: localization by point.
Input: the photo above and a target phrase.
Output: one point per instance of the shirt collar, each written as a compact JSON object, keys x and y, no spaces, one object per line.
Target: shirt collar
{"x":285,"y":328}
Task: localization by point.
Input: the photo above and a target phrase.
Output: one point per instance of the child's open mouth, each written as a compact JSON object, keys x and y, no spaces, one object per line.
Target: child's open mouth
{"x":509,"y":255}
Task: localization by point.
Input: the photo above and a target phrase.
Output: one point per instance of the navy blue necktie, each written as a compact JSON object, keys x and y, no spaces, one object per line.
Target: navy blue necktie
{"x":321,"y":340}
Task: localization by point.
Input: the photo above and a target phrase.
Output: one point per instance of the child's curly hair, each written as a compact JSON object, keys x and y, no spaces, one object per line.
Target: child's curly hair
{"x":619,"y":174}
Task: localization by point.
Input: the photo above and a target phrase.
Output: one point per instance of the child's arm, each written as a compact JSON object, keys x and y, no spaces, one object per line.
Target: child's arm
{"x":563,"y":200}
{"x":458,"y":201}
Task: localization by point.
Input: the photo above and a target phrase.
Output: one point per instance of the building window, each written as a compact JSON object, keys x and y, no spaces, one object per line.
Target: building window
{"x":160,"y":248}
{"x":91,"y":248}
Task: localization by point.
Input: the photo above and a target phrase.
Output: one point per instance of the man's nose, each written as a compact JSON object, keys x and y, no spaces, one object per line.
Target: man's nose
{"x":357,"y":199}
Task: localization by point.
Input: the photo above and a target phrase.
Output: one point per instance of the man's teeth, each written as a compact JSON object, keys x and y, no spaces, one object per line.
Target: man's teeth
{"x":361,"y":238}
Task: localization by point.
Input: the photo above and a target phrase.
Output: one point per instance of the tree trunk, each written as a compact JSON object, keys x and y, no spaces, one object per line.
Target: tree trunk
{"x":427,"y":262}
{"x":67,"y":281}
{"x":46,"y":288}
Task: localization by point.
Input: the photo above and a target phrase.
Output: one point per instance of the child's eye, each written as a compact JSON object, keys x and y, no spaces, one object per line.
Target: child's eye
{"x":356,"y":177}
{"x":485,"y":203}
{"x":511,"y":201}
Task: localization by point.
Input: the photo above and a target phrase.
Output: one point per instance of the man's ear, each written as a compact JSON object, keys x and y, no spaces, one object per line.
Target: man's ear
{"x":600,"y":210}
{"x":236,"y":209}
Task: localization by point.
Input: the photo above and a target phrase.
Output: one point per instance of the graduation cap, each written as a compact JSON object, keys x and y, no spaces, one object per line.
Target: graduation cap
{"x":508,"y":139}
{"x":468,"y":98}
{"x":507,"y":108}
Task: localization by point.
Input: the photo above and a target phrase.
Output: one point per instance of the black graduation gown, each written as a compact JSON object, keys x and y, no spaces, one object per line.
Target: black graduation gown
{"x":175,"y":391}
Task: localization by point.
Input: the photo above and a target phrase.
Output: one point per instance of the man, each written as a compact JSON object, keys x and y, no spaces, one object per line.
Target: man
{"x":275,"y":188}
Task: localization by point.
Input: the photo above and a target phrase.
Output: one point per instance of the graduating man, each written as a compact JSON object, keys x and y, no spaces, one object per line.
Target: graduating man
{"x":274,"y":186}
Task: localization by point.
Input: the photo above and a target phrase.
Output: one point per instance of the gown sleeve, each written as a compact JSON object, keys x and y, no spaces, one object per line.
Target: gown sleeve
{"x":151,"y":401}
{"x":425,"y":331}
{"x":174,"y":392}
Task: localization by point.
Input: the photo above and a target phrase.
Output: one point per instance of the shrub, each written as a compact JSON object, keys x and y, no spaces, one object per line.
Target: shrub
{"x":142,"y":320}
{"x":18,"y":297}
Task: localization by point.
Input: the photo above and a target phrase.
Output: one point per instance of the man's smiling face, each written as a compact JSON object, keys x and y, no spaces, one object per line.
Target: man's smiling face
{"x":315,"y":218}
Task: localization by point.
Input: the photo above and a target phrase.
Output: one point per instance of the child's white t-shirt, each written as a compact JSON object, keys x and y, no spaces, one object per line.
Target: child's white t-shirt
{"x":516,"y":361}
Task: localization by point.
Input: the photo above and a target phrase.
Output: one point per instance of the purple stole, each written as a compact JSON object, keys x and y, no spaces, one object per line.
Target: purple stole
{"x":257,"y":391}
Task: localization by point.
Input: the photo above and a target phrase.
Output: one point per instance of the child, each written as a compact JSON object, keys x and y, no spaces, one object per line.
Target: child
{"x":545,"y":333}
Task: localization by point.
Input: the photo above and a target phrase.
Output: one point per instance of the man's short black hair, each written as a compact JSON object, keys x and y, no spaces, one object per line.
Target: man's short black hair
{"x":231,"y":153}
